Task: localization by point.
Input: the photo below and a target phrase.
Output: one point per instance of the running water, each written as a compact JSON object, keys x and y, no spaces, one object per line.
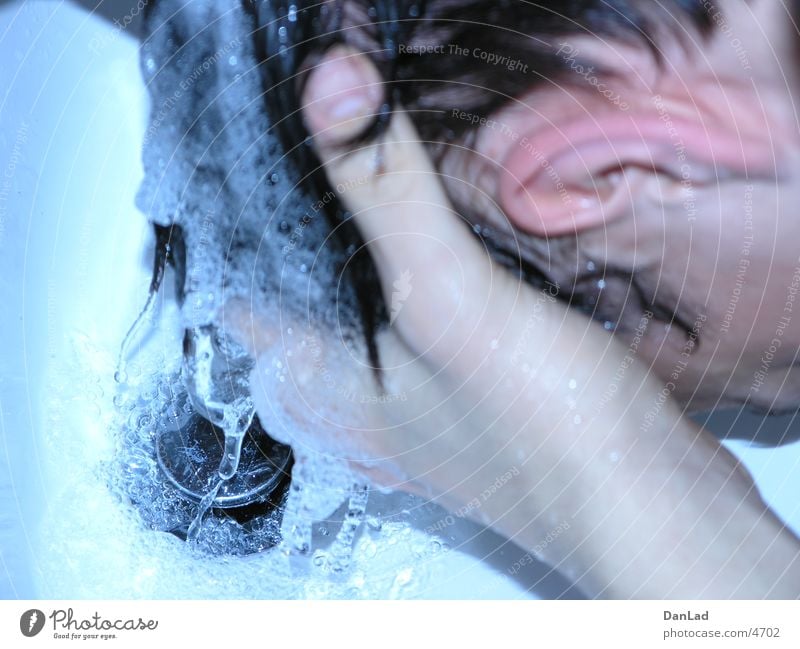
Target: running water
{"x":146,"y":314}
{"x":232,"y":453}
{"x":205,"y":505}
{"x":216,"y":374}
{"x":342,"y":549}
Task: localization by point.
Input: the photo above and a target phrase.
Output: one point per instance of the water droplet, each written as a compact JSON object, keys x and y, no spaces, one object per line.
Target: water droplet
{"x":369,"y":550}
{"x":292,"y":14}
{"x":590,"y":266}
{"x":573,"y":384}
{"x":230,"y":458}
{"x":143,"y":420}
{"x":601,"y":284}
{"x":403,"y":578}
{"x":232,"y":60}
{"x":577,"y":419}
{"x":303,"y":268}
{"x":608,"y":325}
{"x":494,"y":344}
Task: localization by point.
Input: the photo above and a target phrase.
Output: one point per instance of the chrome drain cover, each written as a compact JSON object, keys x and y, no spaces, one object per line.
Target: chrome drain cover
{"x":189,"y":456}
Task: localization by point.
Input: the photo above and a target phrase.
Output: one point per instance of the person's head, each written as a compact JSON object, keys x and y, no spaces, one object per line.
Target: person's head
{"x":640,"y":155}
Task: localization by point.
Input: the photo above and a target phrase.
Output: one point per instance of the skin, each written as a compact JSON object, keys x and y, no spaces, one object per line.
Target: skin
{"x":485,"y":376}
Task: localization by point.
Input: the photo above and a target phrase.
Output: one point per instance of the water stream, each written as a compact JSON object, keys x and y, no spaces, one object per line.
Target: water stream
{"x":216,"y":373}
{"x":341,"y":551}
{"x":202,"y":509}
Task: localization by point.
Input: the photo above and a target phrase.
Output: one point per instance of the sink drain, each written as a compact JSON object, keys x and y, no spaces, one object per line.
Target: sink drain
{"x":168,"y":461}
{"x":189,"y":456}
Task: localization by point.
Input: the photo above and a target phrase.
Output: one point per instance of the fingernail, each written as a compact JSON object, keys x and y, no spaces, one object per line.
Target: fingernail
{"x":343,"y":88}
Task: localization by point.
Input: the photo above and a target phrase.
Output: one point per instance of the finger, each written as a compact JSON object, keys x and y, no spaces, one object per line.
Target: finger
{"x":395,"y":195}
{"x":307,"y":386}
{"x":342,"y":96}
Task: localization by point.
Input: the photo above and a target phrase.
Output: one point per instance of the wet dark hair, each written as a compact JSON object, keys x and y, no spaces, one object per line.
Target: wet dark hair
{"x":430,"y":85}
{"x":291,"y":35}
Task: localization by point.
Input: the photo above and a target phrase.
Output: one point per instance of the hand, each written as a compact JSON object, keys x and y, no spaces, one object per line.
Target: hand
{"x":473,"y":360}
{"x":495,"y":398}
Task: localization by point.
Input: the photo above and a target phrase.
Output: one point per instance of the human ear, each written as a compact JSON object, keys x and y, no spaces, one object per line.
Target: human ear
{"x":566,"y":177}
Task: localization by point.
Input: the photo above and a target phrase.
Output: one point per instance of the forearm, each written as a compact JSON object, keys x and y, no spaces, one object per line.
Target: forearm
{"x":663,"y":523}
{"x":629,"y":504}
